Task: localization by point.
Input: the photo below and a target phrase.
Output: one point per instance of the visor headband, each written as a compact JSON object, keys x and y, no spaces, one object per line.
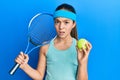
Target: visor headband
{"x":65,"y":14}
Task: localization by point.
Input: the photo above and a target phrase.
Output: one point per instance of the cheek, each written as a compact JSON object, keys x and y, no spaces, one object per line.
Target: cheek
{"x":69,"y":29}
{"x":71,"y":26}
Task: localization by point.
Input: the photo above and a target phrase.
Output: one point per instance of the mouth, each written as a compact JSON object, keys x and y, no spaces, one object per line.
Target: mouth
{"x":61,"y":32}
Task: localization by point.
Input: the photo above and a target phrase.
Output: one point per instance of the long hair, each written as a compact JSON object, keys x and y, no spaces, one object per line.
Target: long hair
{"x":69,"y":8}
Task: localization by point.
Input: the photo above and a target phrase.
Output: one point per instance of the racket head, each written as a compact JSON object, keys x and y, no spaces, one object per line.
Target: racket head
{"x":41,"y":29}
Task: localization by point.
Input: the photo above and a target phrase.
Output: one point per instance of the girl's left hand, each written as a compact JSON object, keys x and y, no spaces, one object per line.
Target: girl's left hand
{"x":84,"y":53}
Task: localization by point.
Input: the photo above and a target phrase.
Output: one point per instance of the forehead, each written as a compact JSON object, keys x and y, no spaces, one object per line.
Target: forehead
{"x":62,"y":19}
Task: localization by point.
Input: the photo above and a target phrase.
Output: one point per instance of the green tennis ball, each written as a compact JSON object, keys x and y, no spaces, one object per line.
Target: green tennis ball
{"x":82,"y":43}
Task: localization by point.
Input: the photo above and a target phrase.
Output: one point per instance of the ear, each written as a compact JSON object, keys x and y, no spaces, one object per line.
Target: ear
{"x":74,"y":24}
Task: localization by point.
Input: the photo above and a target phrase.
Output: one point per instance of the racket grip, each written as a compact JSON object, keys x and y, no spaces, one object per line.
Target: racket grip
{"x":13,"y":70}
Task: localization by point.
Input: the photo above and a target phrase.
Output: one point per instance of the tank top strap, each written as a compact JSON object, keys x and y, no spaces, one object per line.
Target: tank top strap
{"x":74,"y":41}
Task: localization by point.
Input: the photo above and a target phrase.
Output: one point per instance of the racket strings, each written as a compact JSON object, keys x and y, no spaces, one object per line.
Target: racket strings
{"x":42,"y":29}
{"x":37,"y":39}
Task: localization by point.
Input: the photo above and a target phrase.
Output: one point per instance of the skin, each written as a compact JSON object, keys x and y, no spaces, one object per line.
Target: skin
{"x":63,"y":41}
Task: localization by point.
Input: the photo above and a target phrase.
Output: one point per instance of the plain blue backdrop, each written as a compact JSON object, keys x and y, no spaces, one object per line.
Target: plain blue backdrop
{"x":97,"y":20}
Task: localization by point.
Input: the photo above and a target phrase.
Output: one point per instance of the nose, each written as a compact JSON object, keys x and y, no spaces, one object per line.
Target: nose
{"x":61,"y":26}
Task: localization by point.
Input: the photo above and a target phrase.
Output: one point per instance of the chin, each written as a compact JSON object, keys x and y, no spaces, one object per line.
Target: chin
{"x":61,"y":36}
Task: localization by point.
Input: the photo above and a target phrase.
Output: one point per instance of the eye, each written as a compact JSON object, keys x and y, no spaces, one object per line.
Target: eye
{"x":56,"y":22}
{"x":66,"y":22}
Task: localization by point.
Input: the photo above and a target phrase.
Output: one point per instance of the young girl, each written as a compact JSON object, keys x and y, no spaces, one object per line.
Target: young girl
{"x":61,"y":59}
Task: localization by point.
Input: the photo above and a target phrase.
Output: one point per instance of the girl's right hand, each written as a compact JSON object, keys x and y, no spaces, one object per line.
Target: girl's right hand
{"x":22,"y":59}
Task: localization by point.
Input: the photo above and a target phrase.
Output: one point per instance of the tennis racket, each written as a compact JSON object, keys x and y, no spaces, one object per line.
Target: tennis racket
{"x":40,"y":32}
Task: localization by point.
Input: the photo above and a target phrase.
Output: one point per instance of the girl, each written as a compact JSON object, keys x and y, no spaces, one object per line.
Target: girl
{"x":61,"y":59}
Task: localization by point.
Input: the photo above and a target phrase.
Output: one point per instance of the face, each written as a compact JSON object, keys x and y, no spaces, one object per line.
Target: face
{"x":64,"y":26}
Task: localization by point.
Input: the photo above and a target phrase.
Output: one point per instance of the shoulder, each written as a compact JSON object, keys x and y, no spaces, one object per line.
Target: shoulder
{"x":75,"y":41}
{"x":43,"y":49}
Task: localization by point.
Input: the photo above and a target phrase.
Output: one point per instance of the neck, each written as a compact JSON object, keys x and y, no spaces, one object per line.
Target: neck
{"x":63,"y":43}
{"x":64,"y":40}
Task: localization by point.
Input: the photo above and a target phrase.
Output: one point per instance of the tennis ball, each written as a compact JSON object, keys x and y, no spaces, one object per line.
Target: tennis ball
{"x":81,"y":43}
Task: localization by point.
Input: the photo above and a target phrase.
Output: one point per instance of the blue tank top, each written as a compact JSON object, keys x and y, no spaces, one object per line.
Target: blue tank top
{"x":61,"y":64}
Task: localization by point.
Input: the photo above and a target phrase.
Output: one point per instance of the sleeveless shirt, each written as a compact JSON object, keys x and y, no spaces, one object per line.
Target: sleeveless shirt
{"x":61,"y":64}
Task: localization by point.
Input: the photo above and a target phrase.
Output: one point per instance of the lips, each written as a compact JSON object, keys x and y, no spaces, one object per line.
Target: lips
{"x":61,"y":32}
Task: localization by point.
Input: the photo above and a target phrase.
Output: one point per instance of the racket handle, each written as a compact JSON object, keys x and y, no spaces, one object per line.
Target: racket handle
{"x":15,"y":67}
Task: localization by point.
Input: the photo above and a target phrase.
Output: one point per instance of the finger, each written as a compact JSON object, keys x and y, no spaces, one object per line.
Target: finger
{"x":89,"y":45}
{"x":22,"y":54}
{"x":20,"y":57}
{"x":86,"y":53}
{"x":87,"y":48}
{"x":26,"y":56}
{"x":84,"y":50}
{"x":18,"y":60}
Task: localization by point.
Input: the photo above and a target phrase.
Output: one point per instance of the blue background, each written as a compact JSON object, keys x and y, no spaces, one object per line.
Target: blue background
{"x":98,"y":21}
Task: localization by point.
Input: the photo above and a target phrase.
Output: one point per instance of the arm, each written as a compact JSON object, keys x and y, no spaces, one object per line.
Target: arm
{"x":83,"y":61}
{"x":82,"y":72}
{"x":36,"y":74}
